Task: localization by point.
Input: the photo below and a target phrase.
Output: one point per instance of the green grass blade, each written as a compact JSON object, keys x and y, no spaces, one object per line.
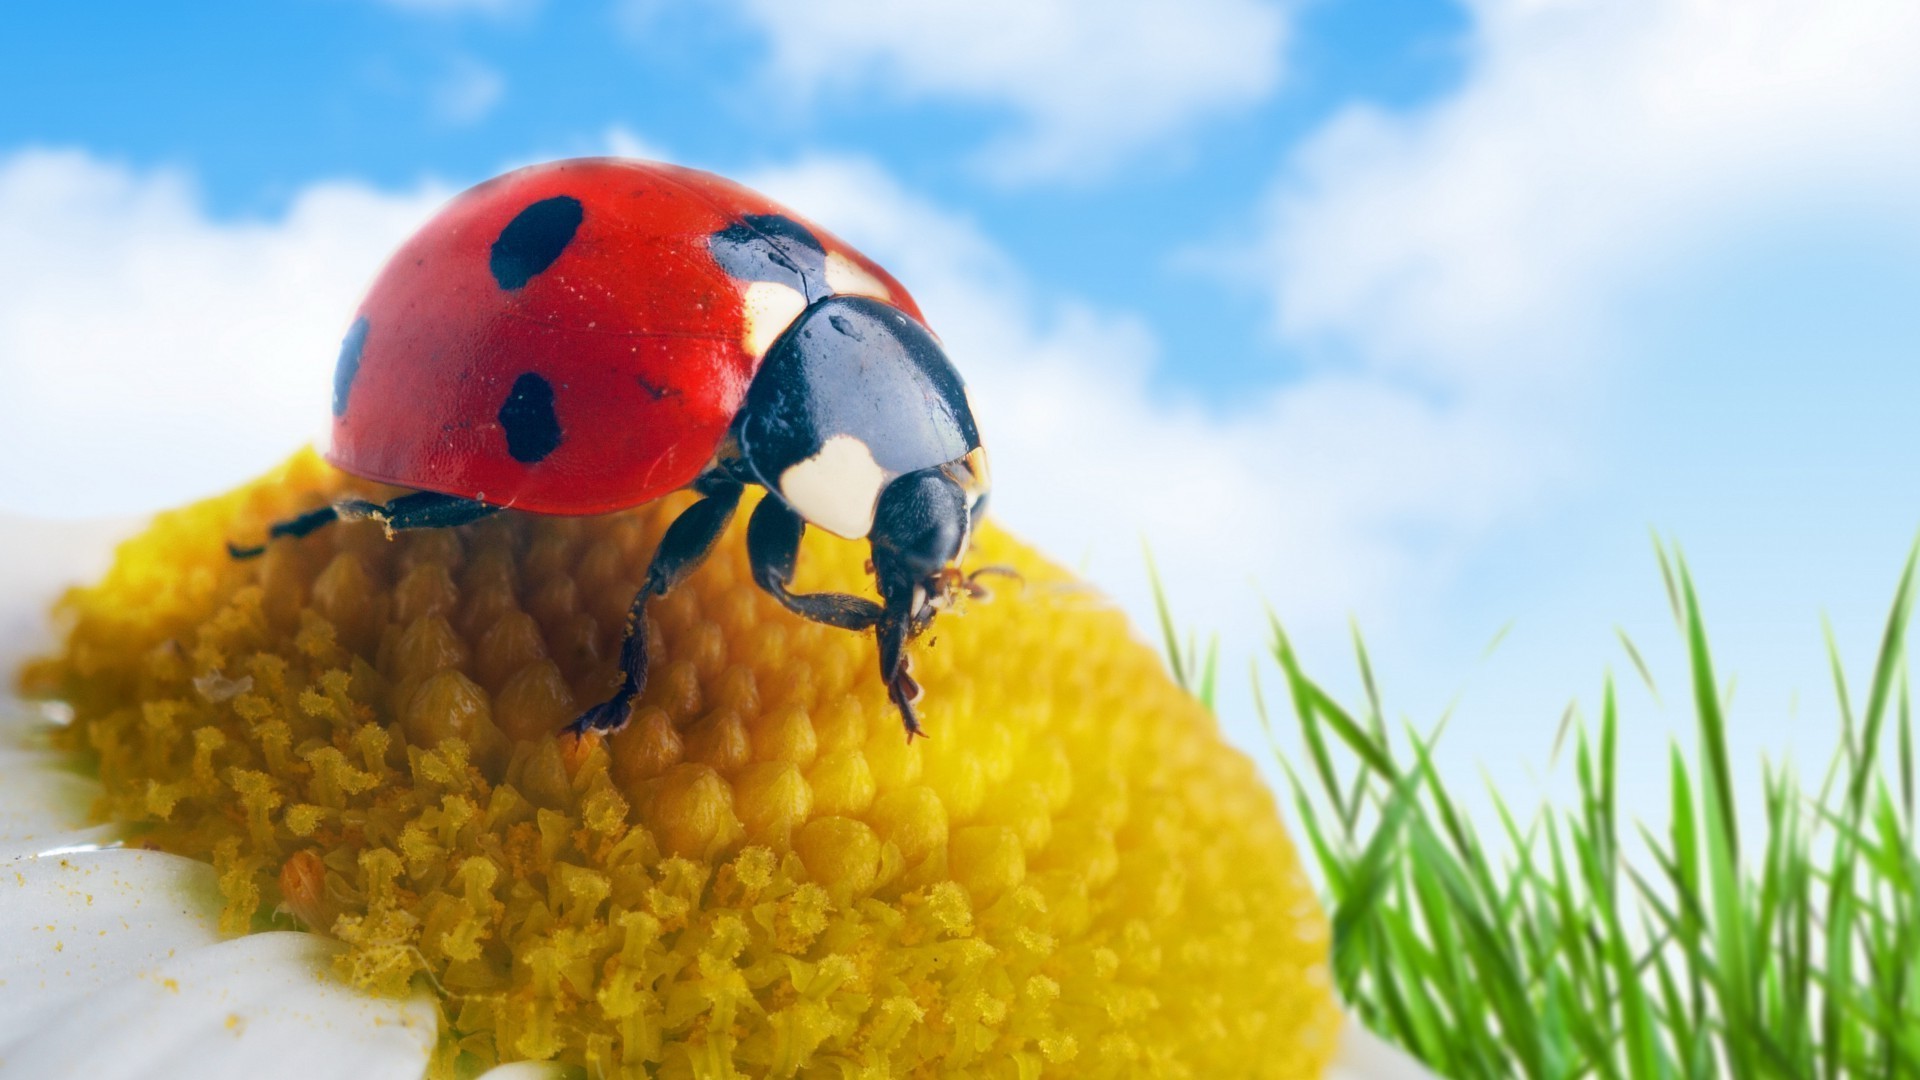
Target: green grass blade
{"x":1170,"y":637}
{"x":1785,"y":945}
{"x":1639,"y":664}
{"x":1209,"y":671}
{"x":1885,"y":670}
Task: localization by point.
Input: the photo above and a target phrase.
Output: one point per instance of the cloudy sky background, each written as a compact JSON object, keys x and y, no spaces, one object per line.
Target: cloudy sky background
{"x":1411,"y":313}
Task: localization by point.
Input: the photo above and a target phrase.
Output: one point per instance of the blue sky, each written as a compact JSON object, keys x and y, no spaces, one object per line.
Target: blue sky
{"x":261,"y":100}
{"x":1412,"y":312}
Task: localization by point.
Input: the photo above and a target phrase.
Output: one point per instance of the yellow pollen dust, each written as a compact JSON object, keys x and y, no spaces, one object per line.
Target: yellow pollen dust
{"x":758,"y":876}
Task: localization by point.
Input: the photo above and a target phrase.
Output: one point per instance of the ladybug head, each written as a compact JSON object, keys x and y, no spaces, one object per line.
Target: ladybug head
{"x":921,"y":528}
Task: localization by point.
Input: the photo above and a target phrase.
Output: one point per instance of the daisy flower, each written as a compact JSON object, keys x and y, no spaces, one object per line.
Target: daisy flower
{"x":310,"y":815}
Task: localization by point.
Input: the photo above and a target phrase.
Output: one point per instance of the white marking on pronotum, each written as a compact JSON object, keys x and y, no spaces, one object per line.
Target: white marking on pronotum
{"x":846,"y":276}
{"x":837,"y":488}
{"x":975,"y":481}
{"x":767,"y":308}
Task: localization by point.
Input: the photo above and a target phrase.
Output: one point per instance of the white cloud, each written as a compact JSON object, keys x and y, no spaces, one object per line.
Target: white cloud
{"x":622,"y":141}
{"x":468,"y":92}
{"x":1089,"y":83}
{"x":152,"y":354}
{"x":1592,"y":145}
{"x":1548,"y":235}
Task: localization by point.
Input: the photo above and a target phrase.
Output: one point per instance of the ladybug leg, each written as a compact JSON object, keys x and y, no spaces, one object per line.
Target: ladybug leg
{"x":419,"y":510}
{"x":897,"y":627}
{"x":296,"y":527}
{"x":685,"y":546}
{"x":773,"y":544}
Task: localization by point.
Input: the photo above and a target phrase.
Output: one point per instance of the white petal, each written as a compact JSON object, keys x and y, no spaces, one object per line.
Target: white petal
{"x":72,"y":924}
{"x":1366,"y":1056}
{"x":261,"y":1005}
{"x":531,"y":1070}
{"x":42,"y":806}
{"x":43,"y":558}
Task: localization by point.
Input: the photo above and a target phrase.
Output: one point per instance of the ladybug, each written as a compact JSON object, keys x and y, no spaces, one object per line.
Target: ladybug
{"x":586,"y":336}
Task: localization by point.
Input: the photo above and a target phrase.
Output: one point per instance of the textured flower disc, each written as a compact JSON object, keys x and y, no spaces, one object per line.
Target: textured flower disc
{"x":759,"y":875}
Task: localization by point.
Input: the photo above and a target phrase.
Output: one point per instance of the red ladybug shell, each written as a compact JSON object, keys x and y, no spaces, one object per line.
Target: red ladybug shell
{"x":601,"y":380}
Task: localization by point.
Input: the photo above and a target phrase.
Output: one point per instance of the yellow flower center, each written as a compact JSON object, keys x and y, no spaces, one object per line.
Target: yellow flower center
{"x":758,"y":875}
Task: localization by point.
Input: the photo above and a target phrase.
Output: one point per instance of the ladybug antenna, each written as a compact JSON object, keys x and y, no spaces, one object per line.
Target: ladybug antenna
{"x":971,"y":585}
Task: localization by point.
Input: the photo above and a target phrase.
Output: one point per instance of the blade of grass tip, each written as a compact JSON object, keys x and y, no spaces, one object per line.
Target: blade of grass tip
{"x":1309,"y":720}
{"x":1452,"y":822}
{"x":1498,"y":637}
{"x":1666,"y":576}
{"x":1639,"y":663}
{"x":1333,"y":864}
{"x":1167,"y":632}
{"x":1655,"y":912}
{"x":1771,"y":910}
{"x":1609,"y":767}
{"x":1309,"y":698}
{"x":1330,"y":864}
{"x":1373,"y":752}
{"x":1440,"y":725}
{"x":1565,"y":947}
{"x":1841,"y":1039}
{"x":1567,"y":718}
{"x":1841,"y":761}
{"x":1520,"y":877}
{"x":1376,"y":716}
{"x":1580,"y":893}
{"x":1848,"y":733}
{"x":1265,"y":717}
{"x":1208,"y":673}
{"x":1712,"y":722}
{"x":1684,"y":868}
{"x":1896,"y":859}
{"x":1731,"y":931}
{"x":1906,"y":750}
{"x":1519,"y":843}
{"x":1885,"y":668}
{"x":1260,"y":710}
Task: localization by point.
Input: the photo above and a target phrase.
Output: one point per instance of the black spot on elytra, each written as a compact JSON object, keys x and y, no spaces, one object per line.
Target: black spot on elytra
{"x":772,"y":247}
{"x":533,"y":239}
{"x":528,"y":419}
{"x":349,"y":364}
